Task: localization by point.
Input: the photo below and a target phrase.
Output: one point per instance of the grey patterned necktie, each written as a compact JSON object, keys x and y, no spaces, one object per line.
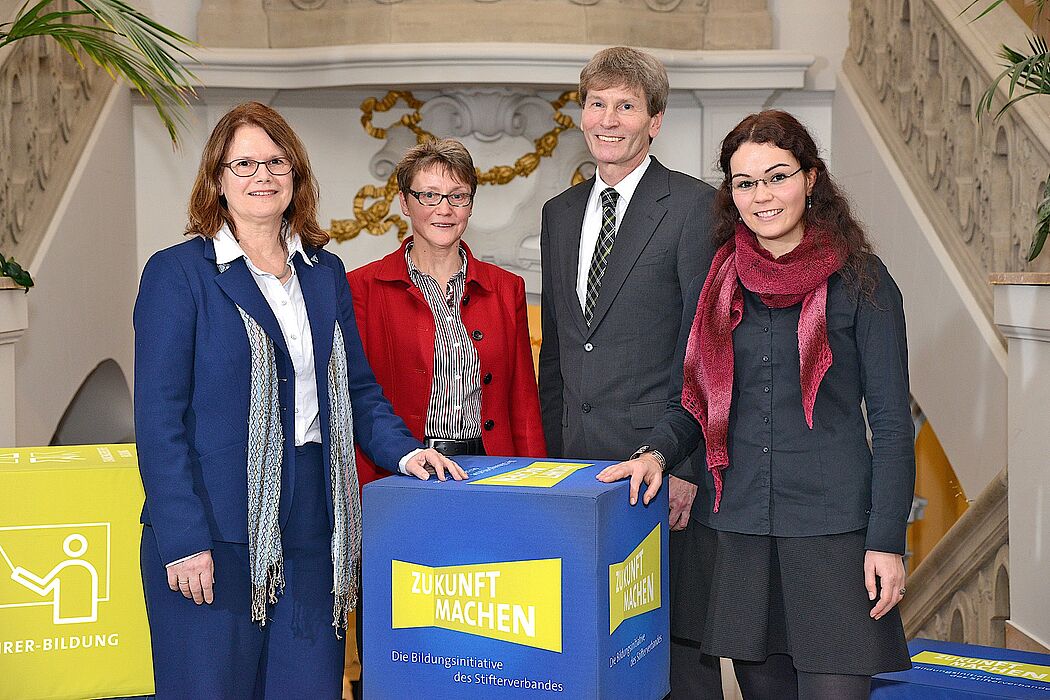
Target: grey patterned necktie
{"x":602,"y":248}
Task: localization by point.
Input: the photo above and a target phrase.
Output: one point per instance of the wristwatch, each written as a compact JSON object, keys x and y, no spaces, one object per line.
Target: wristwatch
{"x":648,"y":449}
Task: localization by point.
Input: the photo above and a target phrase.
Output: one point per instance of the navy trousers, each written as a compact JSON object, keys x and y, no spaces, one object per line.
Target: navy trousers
{"x":216,"y":651}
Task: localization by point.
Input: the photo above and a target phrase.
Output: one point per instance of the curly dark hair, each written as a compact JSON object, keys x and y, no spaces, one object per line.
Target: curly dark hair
{"x":830,"y":210}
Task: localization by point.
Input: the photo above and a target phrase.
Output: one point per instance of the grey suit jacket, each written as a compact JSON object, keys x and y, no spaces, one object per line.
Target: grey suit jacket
{"x":603,"y":387}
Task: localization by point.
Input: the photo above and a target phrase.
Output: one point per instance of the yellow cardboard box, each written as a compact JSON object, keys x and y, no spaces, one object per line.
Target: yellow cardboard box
{"x":72,"y":616}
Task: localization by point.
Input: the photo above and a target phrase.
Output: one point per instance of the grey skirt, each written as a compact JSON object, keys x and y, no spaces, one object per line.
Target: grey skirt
{"x":748,"y":596}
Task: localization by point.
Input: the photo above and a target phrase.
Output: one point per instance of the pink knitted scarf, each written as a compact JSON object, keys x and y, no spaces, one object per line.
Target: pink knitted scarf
{"x":798,"y":276}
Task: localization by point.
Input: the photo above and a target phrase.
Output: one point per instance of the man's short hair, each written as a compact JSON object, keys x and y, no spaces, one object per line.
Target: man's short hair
{"x":622,"y":65}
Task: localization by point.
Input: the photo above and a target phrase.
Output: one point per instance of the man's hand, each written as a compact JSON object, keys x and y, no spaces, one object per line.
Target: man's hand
{"x":430,"y":461}
{"x":646,"y":468}
{"x":680,"y":495}
{"x":194,"y":578}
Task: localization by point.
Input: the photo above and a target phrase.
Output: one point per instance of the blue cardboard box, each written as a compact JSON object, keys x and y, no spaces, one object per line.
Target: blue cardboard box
{"x":529,"y":579}
{"x":949,"y":671}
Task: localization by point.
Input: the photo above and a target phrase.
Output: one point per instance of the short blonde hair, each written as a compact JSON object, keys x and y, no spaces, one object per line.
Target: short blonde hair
{"x":448,"y":154}
{"x":622,"y":65}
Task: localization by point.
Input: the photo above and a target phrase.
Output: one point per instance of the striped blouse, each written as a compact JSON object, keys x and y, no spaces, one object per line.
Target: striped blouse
{"x":454,"y":412}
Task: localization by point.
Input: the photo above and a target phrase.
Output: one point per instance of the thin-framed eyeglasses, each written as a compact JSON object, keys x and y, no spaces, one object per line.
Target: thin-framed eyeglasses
{"x":432,"y":199}
{"x":246,"y":167}
{"x":772,"y":182}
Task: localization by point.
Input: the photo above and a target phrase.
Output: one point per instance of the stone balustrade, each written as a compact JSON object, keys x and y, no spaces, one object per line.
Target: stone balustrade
{"x":919,"y":69}
{"x":961,"y":591}
{"x":48,"y":106}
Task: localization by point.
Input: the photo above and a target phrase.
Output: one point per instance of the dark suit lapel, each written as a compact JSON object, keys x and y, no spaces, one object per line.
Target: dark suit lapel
{"x":643,"y":215}
{"x":239,"y":285}
{"x":319,"y":293}
{"x":567,"y":235}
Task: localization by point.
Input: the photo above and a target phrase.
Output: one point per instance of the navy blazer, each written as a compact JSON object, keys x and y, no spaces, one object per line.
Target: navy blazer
{"x":192,"y":384}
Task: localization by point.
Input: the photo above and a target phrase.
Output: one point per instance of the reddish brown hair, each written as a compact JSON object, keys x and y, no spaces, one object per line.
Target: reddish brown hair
{"x":829,"y":211}
{"x":208,"y":210}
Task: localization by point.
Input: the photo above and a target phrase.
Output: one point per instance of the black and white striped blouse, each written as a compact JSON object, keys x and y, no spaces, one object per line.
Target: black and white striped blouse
{"x":454,"y":412}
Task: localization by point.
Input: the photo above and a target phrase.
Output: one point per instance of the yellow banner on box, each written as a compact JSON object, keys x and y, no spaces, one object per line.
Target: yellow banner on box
{"x":512,"y":601}
{"x":72,"y":617}
{"x":538,"y":474}
{"x":634,"y":583}
{"x":1014,"y":669}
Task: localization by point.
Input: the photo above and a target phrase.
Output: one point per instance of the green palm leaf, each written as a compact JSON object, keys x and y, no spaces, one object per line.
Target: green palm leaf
{"x":1029,"y":74}
{"x":123,"y":41}
{"x":1039,"y":5}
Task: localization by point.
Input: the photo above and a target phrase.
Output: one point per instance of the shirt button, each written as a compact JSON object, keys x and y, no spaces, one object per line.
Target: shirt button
{"x":586,"y":408}
{"x":765,"y":358}
{"x":587,"y":347}
{"x":765,"y":419}
{"x":284,"y":303}
{"x":765,"y":329}
{"x":448,"y":318}
{"x":457,"y":408}
{"x":765,"y":449}
{"x":765,"y":389}
{"x":295,"y":337}
{"x":477,"y":335}
{"x":490,"y":424}
{"x":455,"y":345}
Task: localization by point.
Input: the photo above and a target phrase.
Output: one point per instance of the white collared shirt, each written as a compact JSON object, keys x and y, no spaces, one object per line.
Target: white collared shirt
{"x":592,"y":220}
{"x":287,"y":303}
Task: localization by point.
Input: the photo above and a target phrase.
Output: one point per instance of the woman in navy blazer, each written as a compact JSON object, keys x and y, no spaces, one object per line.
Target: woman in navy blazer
{"x":251,"y":390}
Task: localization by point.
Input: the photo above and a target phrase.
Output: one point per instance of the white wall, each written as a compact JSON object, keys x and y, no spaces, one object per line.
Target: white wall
{"x":819,"y":27}
{"x":957,"y":363}
{"x":86,"y":274}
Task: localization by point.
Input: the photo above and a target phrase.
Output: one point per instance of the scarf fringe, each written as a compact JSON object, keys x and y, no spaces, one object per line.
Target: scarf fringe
{"x":265,"y":455}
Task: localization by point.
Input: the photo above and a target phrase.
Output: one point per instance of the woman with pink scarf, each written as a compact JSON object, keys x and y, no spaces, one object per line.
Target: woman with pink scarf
{"x":800,"y":524}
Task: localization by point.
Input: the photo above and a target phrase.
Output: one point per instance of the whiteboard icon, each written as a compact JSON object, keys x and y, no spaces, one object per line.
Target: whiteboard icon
{"x":62,"y":566}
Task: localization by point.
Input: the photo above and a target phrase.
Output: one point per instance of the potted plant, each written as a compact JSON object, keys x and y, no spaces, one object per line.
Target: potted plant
{"x":1029,"y":73}
{"x":123,"y":41}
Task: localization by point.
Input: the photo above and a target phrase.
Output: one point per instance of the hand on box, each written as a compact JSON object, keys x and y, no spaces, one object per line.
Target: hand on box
{"x":646,"y":468}
{"x":430,"y":461}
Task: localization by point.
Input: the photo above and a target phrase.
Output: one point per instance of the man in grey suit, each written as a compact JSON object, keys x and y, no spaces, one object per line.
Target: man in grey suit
{"x":619,"y":252}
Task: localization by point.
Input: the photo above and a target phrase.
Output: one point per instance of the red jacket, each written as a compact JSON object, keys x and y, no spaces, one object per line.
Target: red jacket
{"x":397,"y":330}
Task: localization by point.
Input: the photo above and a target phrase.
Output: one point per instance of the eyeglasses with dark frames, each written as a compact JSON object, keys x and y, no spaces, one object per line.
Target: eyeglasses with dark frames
{"x":246,"y":167}
{"x":432,"y":199}
{"x":773,"y":181}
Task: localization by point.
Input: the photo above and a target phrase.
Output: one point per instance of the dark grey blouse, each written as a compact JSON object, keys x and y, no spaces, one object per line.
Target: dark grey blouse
{"x":784,"y":479}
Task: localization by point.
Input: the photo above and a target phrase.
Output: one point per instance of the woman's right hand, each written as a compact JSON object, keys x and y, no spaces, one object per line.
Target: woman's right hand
{"x":645,"y":468}
{"x":194,"y":578}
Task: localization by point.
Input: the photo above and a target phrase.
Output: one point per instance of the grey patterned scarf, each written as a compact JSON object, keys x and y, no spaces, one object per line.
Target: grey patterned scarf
{"x":265,"y":451}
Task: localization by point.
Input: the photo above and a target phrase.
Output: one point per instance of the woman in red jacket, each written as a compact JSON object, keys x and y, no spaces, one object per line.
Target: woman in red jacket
{"x":446,"y":333}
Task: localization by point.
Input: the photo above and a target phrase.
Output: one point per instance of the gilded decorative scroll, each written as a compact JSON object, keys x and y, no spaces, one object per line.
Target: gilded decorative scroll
{"x":376,"y":219}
